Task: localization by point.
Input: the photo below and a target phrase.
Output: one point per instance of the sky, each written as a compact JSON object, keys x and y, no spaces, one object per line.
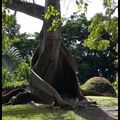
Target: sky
{"x":30,"y":24}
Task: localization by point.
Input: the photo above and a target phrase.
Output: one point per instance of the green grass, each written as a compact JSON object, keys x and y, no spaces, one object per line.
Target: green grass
{"x":28,"y":112}
{"x":104,"y":100}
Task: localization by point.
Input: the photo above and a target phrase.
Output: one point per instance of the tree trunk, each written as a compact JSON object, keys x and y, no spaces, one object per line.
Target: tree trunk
{"x":53,"y":64}
{"x":53,"y":71}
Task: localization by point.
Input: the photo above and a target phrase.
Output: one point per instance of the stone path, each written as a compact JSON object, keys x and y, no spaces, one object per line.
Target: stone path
{"x":103,"y":112}
{"x":111,"y":111}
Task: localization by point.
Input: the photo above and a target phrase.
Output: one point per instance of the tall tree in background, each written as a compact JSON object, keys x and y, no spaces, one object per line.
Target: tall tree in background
{"x":91,"y":62}
{"x":103,"y":37}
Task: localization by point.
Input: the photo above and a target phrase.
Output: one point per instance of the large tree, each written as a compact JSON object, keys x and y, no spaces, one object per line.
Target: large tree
{"x":53,"y":71}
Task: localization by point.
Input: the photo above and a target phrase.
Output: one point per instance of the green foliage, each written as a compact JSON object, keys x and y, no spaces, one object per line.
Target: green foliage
{"x":100,"y":85}
{"x":8,"y":79}
{"x":8,"y":23}
{"x":110,"y":7}
{"x":6,"y":75}
{"x":75,"y":30}
{"x":27,"y":43}
{"x":15,"y":84}
{"x":82,"y":5}
{"x":11,"y":58}
{"x":107,"y":3}
{"x":7,"y":38}
{"x":90,"y":62}
{"x":15,"y":71}
{"x":17,"y":78}
{"x":115,"y":84}
{"x":10,"y":37}
{"x":99,"y":25}
{"x":52,"y":13}
{"x":22,"y":72}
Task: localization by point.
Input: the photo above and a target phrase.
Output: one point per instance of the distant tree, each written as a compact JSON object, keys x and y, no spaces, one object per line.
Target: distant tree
{"x":91,"y":62}
{"x":75,"y":30}
{"x":27,"y":43}
{"x":103,"y":36}
{"x":10,"y":28}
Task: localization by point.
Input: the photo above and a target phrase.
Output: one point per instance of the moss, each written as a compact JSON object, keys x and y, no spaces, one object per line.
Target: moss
{"x":100,"y":85}
{"x":90,"y":92}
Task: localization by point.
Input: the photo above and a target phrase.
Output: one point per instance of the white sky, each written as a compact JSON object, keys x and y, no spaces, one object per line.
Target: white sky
{"x":31,"y":25}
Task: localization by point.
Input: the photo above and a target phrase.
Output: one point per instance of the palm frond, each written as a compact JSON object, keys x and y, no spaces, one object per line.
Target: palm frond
{"x":11,"y":58}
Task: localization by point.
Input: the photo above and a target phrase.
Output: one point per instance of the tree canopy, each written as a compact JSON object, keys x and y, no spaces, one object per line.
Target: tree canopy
{"x":91,"y":62}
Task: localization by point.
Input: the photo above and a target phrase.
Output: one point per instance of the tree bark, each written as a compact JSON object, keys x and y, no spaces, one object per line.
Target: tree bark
{"x":53,"y":64}
{"x":31,"y":9}
{"x":53,"y":73}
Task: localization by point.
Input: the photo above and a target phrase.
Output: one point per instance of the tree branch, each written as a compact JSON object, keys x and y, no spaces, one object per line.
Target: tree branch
{"x":31,"y":9}
{"x":113,"y":10}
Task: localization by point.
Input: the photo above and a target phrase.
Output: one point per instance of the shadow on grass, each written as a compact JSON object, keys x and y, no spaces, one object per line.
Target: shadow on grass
{"x":93,"y":113}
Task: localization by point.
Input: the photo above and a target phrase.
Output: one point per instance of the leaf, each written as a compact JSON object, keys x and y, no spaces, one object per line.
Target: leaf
{"x":103,"y":44}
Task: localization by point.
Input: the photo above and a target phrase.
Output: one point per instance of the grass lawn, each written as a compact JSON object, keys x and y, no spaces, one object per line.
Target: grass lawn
{"x":104,"y":100}
{"x":28,"y":112}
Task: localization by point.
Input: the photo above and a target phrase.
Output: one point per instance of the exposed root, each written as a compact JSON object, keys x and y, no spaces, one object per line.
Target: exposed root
{"x":7,"y":97}
{"x":68,"y":104}
{"x":83,"y":104}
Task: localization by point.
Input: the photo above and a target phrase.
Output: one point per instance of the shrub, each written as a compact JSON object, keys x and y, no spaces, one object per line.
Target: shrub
{"x":6,"y":76}
{"x":115,"y":84}
{"x":17,"y":78}
{"x":22,"y":72}
{"x":99,"y":84}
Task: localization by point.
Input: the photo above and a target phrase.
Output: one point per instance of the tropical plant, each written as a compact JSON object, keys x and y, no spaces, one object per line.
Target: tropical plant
{"x":15,"y":70}
{"x":16,"y":78}
{"x":11,"y":58}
